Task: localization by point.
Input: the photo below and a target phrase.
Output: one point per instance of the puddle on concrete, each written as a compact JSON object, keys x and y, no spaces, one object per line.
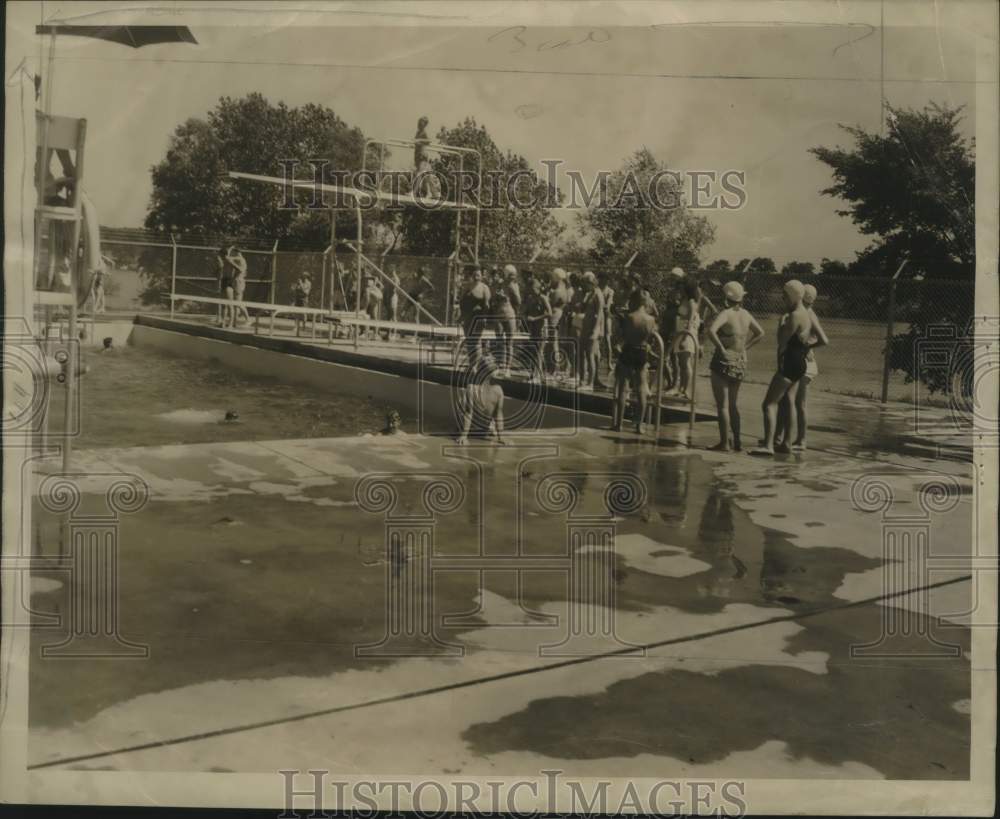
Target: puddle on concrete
{"x":290,"y":591}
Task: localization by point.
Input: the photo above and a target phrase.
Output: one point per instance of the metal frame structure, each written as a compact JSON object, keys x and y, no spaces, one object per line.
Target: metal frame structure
{"x":455,"y":259}
{"x":368,"y":198}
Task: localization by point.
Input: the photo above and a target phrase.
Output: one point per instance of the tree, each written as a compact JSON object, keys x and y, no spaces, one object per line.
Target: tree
{"x":763,"y":265}
{"x":191,"y":193}
{"x":507,"y":229}
{"x":644,"y":212}
{"x":719,"y":270}
{"x":798,"y":270}
{"x":832,"y":267}
{"x":914,"y":190}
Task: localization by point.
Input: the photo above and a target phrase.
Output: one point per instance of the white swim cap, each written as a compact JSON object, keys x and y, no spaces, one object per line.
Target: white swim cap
{"x":678,"y":272}
{"x":809,"y":294}
{"x":733,"y":291}
{"x":559,"y":273}
{"x":590,"y":277}
{"x":510,"y":270}
{"x":794,"y":289}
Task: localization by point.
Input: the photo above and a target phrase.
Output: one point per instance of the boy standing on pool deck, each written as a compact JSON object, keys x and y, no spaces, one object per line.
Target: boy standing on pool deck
{"x":300,"y":292}
{"x":637,"y":328}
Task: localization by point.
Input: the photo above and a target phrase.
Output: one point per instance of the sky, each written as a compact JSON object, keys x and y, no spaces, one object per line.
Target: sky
{"x":706,"y":96}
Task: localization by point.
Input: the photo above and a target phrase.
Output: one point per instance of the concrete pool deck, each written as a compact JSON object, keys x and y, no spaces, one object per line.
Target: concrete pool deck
{"x":252,"y":575}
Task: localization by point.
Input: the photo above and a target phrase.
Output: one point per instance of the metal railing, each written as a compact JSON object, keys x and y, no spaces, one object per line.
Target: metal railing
{"x":861,"y":315}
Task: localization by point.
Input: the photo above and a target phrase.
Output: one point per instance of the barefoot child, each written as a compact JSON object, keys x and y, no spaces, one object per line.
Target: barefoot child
{"x":817,"y":338}
{"x":481,"y":403}
{"x":637,"y":328}
{"x":300,"y":294}
{"x":733,"y":332}
{"x":794,"y":345}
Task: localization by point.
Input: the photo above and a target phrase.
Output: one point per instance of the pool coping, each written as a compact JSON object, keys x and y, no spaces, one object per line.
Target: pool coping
{"x":553,"y":395}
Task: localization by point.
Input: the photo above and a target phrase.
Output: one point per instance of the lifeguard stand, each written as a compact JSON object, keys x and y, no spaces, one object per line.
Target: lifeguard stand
{"x":58,"y":222}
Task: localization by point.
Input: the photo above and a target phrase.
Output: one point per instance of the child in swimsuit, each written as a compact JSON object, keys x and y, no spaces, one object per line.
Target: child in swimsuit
{"x":685,"y":343}
{"x":793,"y":349}
{"x":733,"y":331}
{"x":637,"y":328}
{"x":817,"y":338}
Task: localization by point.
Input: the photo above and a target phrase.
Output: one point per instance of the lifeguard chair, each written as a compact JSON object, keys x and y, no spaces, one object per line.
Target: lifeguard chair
{"x":58,"y":213}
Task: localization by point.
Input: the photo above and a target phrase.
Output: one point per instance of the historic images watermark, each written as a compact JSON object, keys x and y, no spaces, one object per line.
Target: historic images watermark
{"x":963,"y":362}
{"x":34,"y":370}
{"x":588,"y":505}
{"x":497,"y":189}
{"x":912,"y":568}
{"x":73,"y":545}
{"x":316,"y":793}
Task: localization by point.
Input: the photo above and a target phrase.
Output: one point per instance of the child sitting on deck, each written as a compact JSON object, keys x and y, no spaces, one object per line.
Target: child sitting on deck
{"x":480,"y":403}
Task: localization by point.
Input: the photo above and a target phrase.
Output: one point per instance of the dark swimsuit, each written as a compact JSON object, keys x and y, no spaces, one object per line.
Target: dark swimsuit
{"x":632,"y":359}
{"x":795,"y":359}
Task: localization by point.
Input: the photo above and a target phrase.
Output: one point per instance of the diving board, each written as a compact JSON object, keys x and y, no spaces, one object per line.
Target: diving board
{"x":361,"y":197}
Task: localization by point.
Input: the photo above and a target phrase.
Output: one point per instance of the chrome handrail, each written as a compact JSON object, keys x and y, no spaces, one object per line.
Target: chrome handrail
{"x":662,"y":354}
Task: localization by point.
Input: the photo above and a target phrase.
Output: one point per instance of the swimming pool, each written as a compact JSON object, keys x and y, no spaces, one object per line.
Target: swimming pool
{"x":137,"y":396}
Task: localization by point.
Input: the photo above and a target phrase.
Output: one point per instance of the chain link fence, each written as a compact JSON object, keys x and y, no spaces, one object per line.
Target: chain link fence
{"x":860,"y":314}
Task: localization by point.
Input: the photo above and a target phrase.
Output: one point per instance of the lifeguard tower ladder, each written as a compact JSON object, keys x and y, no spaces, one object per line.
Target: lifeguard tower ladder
{"x":58,"y":223}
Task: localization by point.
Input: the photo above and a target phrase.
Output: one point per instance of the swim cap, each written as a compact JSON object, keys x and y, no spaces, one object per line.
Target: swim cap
{"x":733,"y":291}
{"x":678,"y":273}
{"x":590,"y":277}
{"x":510,"y":270}
{"x":559,"y":273}
{"x":809,"y":294}
{"x":794,"y":289}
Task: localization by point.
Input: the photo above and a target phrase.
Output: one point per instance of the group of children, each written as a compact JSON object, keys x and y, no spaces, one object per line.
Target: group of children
{"x":382,"y":296}
{"x":733,"y":332}
{"x":573,"y":322}
{"x":576,"y":321}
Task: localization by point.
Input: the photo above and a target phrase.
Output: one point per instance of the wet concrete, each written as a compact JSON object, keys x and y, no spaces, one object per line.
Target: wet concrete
{"x":252,"y":575}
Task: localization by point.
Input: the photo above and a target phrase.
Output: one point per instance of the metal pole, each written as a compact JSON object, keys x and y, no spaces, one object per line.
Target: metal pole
{"x":694,"y":390}
{"x":890,"y":331}
{"x":659,"y":385}
{"x":322,"y":280}
{"x":173,"y":275}
{"x":274,"y":272}
{"x":447,"y":291}
{"x":73,"y":361}
{"x":322,"y":285}
{"x":357,"y":285}
{"x":334,"y":270}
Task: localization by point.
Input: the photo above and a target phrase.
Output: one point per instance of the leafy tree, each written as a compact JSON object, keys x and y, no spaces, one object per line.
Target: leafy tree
{"x":832,"y":267}
{"x":719,"y":270}
{"x":913,"y":189}
{"x":192,"y":195}
{"x":798,"y":270}
{"x":640,"y":215}
{"x":763,"y":265}
{"x":507,"y":230}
